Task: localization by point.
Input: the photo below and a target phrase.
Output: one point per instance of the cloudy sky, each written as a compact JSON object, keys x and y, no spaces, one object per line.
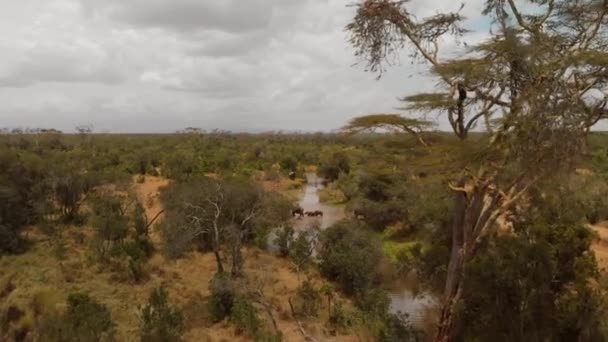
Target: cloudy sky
{"x":161,"y":65}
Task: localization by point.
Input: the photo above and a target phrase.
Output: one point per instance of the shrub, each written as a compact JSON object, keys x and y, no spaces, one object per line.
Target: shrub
{"x":339,"y":319}
{"x":284,"y":240}
{"x":307,"y":300}
{"x":244,"y":316}
{"x":350,"y":256}
{"x":289,"y":164}
{"x":159,"y":321}
{"x":69,"y":190}
{"x":85,"y":320}
{"x":374,"y":302}
{"x":222,"y":293}
{"x":333,"y":166}
{"x":303,"y":247}
{"x":108,"y":219}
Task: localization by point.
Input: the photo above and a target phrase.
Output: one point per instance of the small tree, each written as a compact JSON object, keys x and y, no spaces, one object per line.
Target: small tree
{"x":284,"y":240}
{"x":222,"y":293}
{"x":159,"y":321}
{"x":70,"y":189}
{"x":304,"y":247}
{"x":307,"y":300}
{"x":110,"y":222}
{"x":350,"y":256}
{"x":332,"y":166}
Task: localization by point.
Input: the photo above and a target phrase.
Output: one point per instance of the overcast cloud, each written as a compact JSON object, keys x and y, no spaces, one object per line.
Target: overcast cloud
{"x":161,"y":65}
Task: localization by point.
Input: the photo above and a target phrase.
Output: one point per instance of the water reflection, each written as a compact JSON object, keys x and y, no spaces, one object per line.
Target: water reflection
{"x":310,"y":202}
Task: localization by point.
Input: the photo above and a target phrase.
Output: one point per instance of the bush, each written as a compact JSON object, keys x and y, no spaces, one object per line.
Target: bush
{"x":339,"y":319}
{"x":374,"y":302}
{"x":379,"y":215}
{"x":596,"y":207}
{"x":69,"y":190}
{"x":284,"y":240}
{"x":159,"y":321}
{"x":85,"y":320}
{"x":222,"y":293}
{"x":350,"y":256}
{"x":23,"y":193}
{"x":108,"y":219}
{"x":244,"y":316}
{"x":333,"y":166}
{"x":289,"y":164}
{"x":307,"y":300}
{"x":304,"y":245}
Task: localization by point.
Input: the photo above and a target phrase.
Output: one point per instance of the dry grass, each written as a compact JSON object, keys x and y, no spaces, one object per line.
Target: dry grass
{"x":600,"y":246}
{"x":41,"y":279}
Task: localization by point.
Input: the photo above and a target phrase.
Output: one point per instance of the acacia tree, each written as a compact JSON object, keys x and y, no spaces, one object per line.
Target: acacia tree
{"x":539,"y":81}
{"x":223,"y":210}
{"x":391,"y":122}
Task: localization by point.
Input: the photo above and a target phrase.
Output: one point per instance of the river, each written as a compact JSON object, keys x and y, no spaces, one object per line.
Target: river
{"x":402,"y":298}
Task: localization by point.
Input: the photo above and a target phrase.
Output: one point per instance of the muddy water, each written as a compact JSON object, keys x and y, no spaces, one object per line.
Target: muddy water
{"x":310,"y":202}
{"x":402,"y":298}
{"x":416,"y":307}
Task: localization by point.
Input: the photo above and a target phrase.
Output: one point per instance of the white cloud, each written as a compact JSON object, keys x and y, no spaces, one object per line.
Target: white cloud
{"x":158,"y":65}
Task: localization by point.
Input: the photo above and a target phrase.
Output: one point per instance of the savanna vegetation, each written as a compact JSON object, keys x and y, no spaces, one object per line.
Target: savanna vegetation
{"x":191,"y":236}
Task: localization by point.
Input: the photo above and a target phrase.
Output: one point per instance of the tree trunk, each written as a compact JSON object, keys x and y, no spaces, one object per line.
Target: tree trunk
{"x":236,"y":255}
{"x":445,"y":331}
{"x":218,"y":257}
{"x":473,"y":209}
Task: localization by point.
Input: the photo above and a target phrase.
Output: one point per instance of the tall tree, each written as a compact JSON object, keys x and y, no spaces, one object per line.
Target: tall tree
{"x":539,"y":81}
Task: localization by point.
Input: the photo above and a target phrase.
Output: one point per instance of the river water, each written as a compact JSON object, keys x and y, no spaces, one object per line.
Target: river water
{"x":402,"y":298}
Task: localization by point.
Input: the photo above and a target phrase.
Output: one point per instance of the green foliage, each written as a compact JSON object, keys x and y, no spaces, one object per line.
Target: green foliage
{"x":532,"y":285}
{"x":289,"y":164}
{"x":284,"y":240}
{"x":307,"y":302}
{"x":303,"y":246}
{"x":394,"y":328}
{"x":245,"y":316}
{"x":109,"y":220}
{"x":340,"y":320}
{"x":180,"y":165}
{"x":373,"y":302}
{"x":85,"y":320}
{"x":140,"y":222}
{"x":22,"y":196}
{"x":350,"y":256}
{"x":332,"y":166}
{"x":69,"y":188}
{"x":595,"y":204}
{"x":159,"y":321}
{"x":222,"y":295}
{"x":118,"y":244}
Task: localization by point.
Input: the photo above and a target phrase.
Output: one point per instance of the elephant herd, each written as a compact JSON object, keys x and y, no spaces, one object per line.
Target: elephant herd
{"x":299,"y":213}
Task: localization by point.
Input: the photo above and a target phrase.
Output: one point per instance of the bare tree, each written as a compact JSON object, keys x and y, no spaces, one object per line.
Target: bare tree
{"x":539,"y":82}
{"x":205,"y":217}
